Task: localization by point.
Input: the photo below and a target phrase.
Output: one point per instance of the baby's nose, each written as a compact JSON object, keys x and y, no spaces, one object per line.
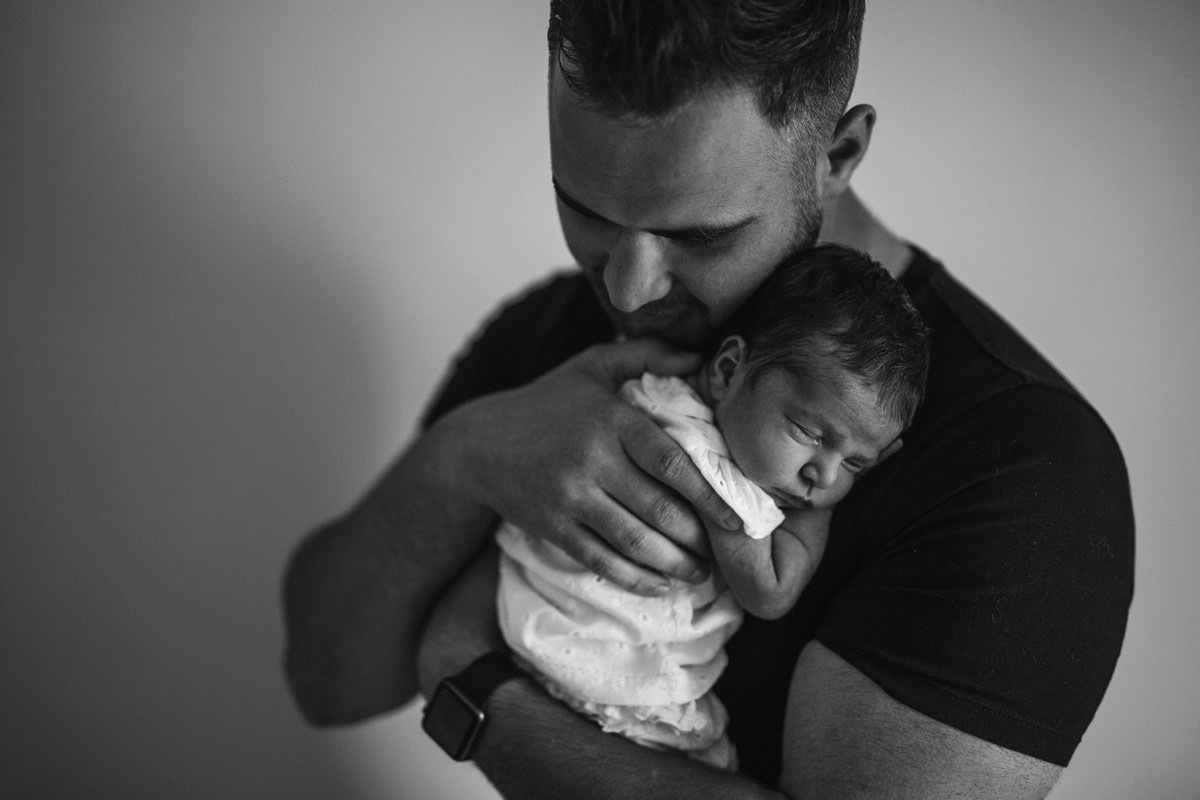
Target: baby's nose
{"x":820,"y":474}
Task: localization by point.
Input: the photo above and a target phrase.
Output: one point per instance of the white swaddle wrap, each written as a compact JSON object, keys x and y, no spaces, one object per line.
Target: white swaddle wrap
{"x":641,"y":666}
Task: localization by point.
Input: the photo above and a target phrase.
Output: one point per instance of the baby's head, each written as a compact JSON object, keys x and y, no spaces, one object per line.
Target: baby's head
{"x":818,"y":374}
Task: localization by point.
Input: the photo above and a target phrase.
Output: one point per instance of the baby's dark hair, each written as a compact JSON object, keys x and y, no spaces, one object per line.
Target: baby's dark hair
{"x":834,"y":303}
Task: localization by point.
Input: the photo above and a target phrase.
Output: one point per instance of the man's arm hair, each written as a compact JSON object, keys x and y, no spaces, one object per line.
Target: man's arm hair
{"x":856,"y":743}
{"x":844,"y":738}
{"x":561,"y":457}
{"x":357,"y":591}
{"x":534,"y":746}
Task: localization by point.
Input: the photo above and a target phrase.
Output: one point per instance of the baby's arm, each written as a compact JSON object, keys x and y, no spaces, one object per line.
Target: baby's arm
{"x":767,"y":575}
{"x":765,"y":571}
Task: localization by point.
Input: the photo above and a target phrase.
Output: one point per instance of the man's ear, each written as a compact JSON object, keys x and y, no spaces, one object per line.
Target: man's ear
{"x":721,"y":367}
{"x":845,"y":150}
{"x":890,"y":449}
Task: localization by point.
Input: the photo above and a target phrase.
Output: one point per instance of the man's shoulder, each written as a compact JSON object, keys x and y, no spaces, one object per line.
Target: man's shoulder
{"x":557,"y":313}
{"x":528,"y":334}
{"x":561,"y":288}
{"x":977,"y":354}
{"x":1001,"y":427}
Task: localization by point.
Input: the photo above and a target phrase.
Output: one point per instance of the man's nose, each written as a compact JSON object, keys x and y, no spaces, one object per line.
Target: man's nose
{"x":820,"y":472}
{"x":635,"y":272}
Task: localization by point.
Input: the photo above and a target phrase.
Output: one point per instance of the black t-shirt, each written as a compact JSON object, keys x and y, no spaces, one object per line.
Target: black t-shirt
{"x":982,"y":575}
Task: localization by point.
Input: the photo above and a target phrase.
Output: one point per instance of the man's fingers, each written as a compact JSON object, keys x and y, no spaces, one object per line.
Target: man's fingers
{"x":645,"y":544}
{"x":598,"y":556}
{"x":660,"y":509}
{"x":625,"y":360}
{"x":664,"y":460}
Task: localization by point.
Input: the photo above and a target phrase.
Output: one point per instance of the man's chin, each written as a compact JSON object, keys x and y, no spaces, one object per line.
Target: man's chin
{"x":686,"y":334}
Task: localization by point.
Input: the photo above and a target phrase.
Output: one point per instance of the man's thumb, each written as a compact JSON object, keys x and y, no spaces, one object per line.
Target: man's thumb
{"x":629,"y":359}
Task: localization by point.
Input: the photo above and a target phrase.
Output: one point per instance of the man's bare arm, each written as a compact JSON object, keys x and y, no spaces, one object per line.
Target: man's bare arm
{"x":533,"y":746}
{"x":357,"y":592}
{"x":563,"y":457}
{"x":844,"y":738}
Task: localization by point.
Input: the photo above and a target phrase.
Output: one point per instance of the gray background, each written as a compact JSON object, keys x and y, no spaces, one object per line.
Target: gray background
{"x":239,"y":241}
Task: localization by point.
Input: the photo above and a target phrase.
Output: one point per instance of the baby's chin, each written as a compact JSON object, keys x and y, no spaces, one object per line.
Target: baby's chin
{"x":789,"y":502}
{"x":817,"y":501}
{"x":826,"y":500}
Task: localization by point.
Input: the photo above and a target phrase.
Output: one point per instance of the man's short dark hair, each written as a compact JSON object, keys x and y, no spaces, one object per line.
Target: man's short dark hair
{"x":833,"y":306}
{"x":648,"y":57}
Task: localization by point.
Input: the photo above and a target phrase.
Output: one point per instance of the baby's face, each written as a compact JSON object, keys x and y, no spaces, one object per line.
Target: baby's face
{"x":804,"y":441}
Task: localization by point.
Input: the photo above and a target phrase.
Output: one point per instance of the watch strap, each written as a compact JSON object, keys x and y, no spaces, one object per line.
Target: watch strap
{"x":484,"y":674}
{"x":457,"y":712}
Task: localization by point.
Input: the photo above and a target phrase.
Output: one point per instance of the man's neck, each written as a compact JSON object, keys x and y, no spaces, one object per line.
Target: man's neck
{"x":850,"y":223}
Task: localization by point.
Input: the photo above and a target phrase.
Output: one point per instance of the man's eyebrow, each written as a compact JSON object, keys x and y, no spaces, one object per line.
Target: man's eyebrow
{"x":688,"y":232}
{"x":575,"y":205}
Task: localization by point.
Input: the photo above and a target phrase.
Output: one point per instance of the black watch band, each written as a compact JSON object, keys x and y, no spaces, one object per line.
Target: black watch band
{"x":457,"y":712}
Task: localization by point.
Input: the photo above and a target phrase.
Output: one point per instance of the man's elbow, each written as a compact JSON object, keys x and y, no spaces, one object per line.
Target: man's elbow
{"x":325,"y":702}
{"x":318,"y":705}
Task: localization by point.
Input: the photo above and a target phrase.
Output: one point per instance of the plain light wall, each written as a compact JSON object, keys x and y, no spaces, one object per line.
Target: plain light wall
{"x":240,"y":240}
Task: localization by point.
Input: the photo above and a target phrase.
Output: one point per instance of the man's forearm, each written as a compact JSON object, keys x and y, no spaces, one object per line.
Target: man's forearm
{"x":357,"y":591}
{"x":534,"y":747}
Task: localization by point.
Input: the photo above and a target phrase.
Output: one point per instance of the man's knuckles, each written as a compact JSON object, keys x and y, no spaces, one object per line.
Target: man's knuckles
{"x":667,"y":514}
{"x":672,"y":465}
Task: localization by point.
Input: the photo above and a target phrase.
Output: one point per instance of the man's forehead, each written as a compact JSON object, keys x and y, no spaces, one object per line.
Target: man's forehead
{"x":715,"y":128}
{"x":714,"y":155}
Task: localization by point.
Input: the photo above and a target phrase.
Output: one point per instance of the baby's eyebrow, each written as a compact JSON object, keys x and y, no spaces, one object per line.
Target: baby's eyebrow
{"x":687,"y":232}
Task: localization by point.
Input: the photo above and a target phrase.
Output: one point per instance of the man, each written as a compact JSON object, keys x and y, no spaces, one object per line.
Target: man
{"x":968,"y":610}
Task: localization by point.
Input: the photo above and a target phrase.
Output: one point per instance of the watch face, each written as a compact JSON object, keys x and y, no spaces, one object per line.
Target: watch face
{"x":452,"y":721}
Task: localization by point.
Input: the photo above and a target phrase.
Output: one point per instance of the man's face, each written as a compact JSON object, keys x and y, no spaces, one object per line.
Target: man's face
{"x":677,"y":222}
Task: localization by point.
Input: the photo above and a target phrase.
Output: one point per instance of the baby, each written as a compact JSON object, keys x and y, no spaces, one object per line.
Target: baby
{"x":811,"y":385}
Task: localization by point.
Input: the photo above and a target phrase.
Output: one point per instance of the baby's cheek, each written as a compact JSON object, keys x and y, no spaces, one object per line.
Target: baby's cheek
{"x":840,"y":489}
{"x":756,"y":465}
{"x":776,"y":469}
{"x":755,"y":470}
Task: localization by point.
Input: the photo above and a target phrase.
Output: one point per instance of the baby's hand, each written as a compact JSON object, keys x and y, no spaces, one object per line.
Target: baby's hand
{"x":767,"y":575}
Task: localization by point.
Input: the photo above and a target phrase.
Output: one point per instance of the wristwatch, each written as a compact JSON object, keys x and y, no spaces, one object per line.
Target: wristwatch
{"x":456,"y":714}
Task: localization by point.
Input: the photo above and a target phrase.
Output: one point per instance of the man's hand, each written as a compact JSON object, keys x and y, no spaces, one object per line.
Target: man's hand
{"x":565,"y":459}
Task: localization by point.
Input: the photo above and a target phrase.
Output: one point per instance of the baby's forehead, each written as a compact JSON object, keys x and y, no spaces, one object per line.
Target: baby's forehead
{"x":849,"y":396}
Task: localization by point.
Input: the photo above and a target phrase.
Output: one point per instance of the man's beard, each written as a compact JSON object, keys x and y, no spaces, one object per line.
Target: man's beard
{"x":808,"y":222}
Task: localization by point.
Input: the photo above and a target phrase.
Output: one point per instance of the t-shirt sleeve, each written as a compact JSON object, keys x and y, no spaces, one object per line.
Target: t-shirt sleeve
{"x":526,"y":336}
{"x":995,"y":596}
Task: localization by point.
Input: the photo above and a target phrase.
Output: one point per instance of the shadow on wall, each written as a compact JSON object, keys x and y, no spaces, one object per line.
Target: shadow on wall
{"x":211,"y":256}
{"x":187,"y":386}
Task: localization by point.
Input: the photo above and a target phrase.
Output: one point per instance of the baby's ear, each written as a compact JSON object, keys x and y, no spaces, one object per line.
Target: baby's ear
{"x":890,"y":449}
{"x":724,"y":363}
